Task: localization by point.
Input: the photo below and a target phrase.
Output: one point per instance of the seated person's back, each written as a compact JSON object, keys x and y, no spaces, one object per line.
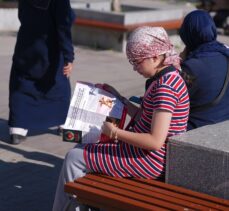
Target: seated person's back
{"x":205,"y":67}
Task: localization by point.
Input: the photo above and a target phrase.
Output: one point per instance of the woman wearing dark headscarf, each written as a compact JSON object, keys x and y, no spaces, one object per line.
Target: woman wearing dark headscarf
{"x":42,"y":61}
{"x":204,"y":66}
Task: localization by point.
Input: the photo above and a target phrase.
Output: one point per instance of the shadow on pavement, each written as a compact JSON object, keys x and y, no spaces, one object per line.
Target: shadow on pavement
{"x":28,"y":184}
{"x":4,"y":131}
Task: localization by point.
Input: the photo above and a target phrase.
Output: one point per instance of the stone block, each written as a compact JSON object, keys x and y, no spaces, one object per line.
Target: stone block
{"x":99,"y":38}
{"x":199,"y":160}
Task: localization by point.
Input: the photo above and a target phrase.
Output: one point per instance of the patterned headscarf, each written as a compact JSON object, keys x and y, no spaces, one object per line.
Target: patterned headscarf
{"x":148,"y":42}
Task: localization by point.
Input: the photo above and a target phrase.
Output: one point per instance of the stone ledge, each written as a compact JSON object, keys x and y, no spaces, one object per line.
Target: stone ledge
{"x":199,"y":160}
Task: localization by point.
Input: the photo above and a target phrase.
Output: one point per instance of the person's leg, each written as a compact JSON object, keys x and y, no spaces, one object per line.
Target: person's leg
{"x":17,"y":135}
{"x":73,"y":167}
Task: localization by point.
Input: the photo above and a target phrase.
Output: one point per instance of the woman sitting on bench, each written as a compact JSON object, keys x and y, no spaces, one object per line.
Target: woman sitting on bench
{"x":141,"y":151}
{"x":205,"y":68}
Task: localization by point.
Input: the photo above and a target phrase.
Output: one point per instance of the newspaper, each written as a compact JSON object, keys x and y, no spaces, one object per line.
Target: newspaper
{"x":89,"y":108}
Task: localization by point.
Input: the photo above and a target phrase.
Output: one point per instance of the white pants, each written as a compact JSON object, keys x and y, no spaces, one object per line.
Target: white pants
{"x":18,"y":131}
{"x":73,"y":167}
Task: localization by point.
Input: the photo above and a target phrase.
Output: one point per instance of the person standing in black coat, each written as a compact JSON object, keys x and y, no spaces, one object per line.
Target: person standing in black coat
{"x":39,"y":88}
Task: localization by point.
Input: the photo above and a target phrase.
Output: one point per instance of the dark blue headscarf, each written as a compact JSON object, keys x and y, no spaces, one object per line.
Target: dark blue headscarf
{"x":198,"y":32}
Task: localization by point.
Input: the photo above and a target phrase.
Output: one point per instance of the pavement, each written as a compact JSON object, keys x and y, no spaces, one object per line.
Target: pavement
{"x":29,"y":171}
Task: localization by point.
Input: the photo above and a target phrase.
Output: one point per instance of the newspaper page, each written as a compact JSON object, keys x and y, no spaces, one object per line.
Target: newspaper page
{"x":89,"y":108}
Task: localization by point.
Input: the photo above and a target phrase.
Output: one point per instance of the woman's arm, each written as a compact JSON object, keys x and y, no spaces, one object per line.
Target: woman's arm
{"x":150,"y":141}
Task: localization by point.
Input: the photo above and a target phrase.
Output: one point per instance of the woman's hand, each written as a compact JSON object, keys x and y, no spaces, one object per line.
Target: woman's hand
{"x":68,"y":69}
{"x":108,"y":129}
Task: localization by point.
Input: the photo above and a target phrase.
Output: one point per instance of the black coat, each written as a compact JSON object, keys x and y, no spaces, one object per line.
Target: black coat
{"x":208,"y":73}
{"x":39,"y":92}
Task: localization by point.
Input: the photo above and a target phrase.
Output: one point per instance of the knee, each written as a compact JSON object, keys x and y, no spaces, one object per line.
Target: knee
{"x":74,"y":164}
{"x":75,"y":158}
{"x":71,"y":157}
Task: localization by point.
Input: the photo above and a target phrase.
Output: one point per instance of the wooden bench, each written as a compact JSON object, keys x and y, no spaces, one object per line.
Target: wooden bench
{"x":112,"y":35}
{"x":111,"y":193}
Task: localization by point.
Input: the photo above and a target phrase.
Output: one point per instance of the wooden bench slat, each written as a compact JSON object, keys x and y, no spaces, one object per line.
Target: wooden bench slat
{"x":136,"y":195}
{"x":157,"y":193}
{"x":184,"y":190}
{"x":168,"y":24}
{"x":114,"y":201}
{"x":167,"y":189}
{"x":149,"y":184}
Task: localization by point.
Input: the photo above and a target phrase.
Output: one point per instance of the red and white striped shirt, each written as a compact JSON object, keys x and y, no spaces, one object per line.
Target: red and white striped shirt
{"x":120,"y":159}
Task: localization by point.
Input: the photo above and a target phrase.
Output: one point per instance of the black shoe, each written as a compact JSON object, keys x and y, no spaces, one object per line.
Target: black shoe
{"x":16,"y":139}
